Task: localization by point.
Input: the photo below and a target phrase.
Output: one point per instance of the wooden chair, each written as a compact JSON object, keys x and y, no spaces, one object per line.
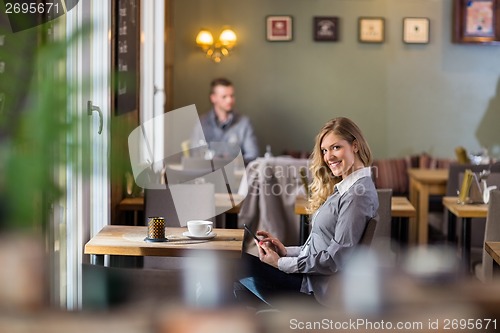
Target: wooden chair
{"x":367,"y":237}
{"x":382,"y":242}
{"x":484,"y":270}
{"x":158,"y":202}
{"x":178,"y":204}
{"x":383,"y":229}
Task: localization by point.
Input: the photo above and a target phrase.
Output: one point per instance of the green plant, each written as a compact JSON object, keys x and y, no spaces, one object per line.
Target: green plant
{"x":34,"y":126}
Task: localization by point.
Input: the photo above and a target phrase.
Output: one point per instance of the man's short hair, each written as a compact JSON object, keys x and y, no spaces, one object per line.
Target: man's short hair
{"x":221,"y":81}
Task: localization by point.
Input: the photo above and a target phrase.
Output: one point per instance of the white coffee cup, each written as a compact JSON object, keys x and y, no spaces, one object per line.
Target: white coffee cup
{"x":199,"y":228}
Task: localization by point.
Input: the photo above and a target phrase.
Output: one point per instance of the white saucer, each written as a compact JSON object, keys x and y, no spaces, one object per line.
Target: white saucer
{"x":209,"y":236}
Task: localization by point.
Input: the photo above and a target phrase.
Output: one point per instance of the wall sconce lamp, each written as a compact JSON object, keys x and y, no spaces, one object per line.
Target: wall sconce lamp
{"x":218,"y":49}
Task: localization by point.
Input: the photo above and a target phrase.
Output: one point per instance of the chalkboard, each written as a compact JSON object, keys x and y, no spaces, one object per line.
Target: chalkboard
{"x":126,"y":55}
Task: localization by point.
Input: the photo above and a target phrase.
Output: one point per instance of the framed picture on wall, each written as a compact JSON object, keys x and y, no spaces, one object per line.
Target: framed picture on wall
{"x":371,"y":29}
{"x":326,"y":28}
{"x":279,"y":28}
{"x":476,"y":21}
{"x":416,"y":30}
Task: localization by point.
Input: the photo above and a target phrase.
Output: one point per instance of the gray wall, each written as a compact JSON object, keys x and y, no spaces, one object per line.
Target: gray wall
{"x":407,"y":98}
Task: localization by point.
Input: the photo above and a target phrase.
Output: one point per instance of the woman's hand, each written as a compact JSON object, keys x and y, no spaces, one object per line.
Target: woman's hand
{"x":267,"y":253}
{"x":272,"y":242}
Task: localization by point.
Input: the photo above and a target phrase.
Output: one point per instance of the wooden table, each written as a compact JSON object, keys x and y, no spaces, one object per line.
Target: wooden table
{"x":129,"y":241}
{"x":423,"y":183}
{"x":136,"y":205}
{"x":466,"y":212}
{"x":401,"y":208}
{"x":493,"y":249}
{"x":401,"y":211}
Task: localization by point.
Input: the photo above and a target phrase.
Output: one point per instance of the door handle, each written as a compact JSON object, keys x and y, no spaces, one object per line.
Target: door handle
{"x":91,"y":108}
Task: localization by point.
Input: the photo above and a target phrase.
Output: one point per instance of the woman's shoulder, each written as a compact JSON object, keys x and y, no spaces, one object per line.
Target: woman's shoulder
{"x":363,"y":188}
{"x":368,"y":181}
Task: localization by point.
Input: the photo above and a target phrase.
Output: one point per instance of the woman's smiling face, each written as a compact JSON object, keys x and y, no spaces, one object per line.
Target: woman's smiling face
{"x":340,"y":155}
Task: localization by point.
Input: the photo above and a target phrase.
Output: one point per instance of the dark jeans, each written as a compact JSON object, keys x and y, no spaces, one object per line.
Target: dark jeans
{"x":266,"y":281}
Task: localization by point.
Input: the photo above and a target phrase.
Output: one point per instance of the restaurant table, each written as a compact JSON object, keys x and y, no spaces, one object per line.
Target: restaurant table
{"x":493,"y":249}
{"x":466,"y":212}
{"x":136,"y":205}
{"x":401,"y":212}
{"x":423,"y":183}
{"x":401,"y":209}
{"x":124,"y":240}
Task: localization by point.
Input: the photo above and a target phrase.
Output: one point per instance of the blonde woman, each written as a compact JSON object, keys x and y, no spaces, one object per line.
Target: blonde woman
{"x":343,"y":199}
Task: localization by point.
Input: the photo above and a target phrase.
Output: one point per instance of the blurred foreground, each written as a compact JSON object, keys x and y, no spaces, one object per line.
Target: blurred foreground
{"x":368,"y":296}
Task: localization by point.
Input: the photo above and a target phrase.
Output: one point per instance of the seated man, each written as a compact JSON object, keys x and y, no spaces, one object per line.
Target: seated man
{"x":223,"y":125}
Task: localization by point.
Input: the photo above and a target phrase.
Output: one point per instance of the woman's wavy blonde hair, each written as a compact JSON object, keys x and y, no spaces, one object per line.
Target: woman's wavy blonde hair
{"x":324,"y":181}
